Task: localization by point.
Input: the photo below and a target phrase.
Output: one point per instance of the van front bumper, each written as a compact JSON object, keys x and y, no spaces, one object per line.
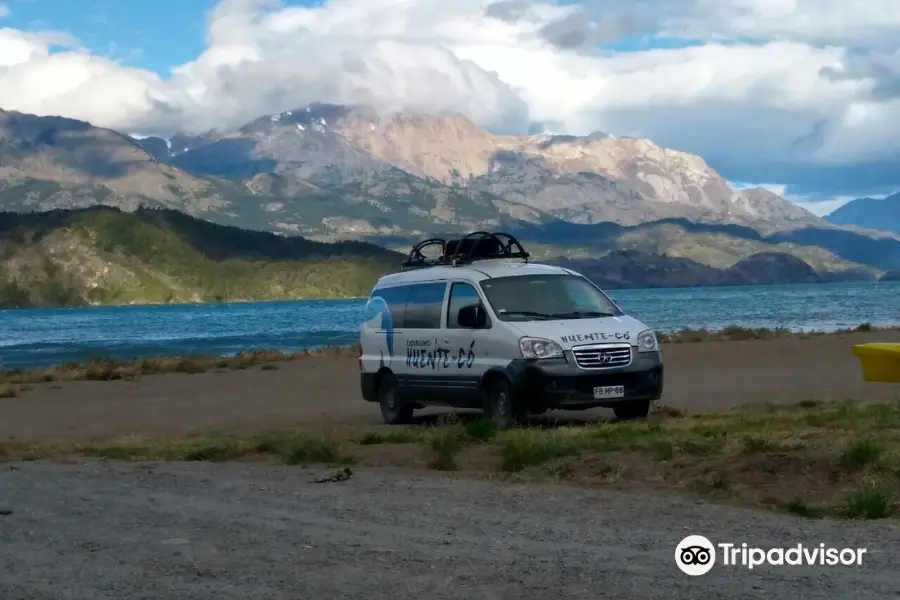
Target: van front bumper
{"x":561,"y":384}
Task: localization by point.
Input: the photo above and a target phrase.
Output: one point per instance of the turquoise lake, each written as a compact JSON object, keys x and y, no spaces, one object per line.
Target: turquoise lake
{"x":33,"y":338}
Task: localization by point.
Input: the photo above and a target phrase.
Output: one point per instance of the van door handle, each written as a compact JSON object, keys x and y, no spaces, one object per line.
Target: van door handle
{"x":446,"y":341}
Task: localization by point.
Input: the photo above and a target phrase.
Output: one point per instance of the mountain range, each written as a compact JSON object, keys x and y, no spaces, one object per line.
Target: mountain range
{"x":334,"y":173}
{"x":102,"y":255}
{"x":870,"y":213}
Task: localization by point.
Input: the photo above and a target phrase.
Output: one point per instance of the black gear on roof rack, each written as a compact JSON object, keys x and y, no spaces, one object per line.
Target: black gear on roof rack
{"x":478,"y":245}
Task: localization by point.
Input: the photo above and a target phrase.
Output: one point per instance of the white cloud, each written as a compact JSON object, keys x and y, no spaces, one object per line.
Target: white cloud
{"x":4,"y":10}
{"x":823,"y":207}
{"x":795,"y":94}
{"x":815,"y":21}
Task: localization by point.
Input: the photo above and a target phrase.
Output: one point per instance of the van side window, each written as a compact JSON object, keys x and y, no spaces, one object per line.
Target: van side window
{"x":423,"y":309}
{"x":461,"y":294}
{"x":395,"y":297}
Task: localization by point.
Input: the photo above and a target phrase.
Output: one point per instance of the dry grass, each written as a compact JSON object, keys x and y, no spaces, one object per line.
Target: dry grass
{"x":108,"y":369}
{"x":739,"y":333}
{"x":811,"y":459}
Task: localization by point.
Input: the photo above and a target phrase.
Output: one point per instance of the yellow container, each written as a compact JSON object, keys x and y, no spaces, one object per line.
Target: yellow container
{"x":880,"y":362}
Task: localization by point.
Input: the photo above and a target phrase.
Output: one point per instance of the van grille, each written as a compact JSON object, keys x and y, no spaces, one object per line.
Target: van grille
{"x":602,"y":356}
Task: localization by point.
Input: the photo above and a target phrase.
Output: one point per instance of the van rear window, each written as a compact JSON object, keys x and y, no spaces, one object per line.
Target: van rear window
{"x":414,"y":306}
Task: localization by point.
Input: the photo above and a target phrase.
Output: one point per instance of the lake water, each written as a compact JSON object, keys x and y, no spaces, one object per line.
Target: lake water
{"x":34,"y":338}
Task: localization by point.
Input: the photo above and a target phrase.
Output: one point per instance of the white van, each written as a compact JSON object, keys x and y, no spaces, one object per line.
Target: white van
{"x":479,"y":326}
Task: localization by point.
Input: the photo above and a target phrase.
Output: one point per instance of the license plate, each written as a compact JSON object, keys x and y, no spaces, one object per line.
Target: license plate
{"x":609,"y":391}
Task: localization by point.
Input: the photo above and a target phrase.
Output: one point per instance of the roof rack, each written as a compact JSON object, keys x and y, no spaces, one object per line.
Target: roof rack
{"x":478,"y":245}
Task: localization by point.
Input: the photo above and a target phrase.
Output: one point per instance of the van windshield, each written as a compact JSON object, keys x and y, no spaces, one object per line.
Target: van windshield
{"x":546,"y":297}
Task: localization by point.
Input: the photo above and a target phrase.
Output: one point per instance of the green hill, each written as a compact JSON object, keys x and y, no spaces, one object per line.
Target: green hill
{"x":101,"y":255}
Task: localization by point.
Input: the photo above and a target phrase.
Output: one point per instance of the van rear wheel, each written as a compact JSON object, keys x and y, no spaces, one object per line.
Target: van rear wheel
{"x":634,"y":409}
{"x":393,"y":410}
{"x":501,"y":407}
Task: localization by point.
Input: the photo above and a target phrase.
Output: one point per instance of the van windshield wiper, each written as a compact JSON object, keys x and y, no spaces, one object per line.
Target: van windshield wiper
{"x":587,"y":314}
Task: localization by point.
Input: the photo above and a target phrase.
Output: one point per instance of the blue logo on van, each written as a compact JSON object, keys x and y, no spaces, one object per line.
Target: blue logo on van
{"x":377,"y":306}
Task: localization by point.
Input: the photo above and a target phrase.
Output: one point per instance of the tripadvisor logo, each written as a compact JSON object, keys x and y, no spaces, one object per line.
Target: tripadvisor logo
{"x":696,"y":555}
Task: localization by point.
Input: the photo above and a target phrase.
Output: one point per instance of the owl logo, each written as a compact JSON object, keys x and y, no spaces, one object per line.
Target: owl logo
{"x":377,"y":307}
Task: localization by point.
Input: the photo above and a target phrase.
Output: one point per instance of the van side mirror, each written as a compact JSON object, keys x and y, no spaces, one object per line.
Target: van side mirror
{"x":472,"y":316}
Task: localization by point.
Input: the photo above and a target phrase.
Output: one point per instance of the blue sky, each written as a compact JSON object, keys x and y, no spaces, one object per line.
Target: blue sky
{"x":153,"y":35}
{"x":157,"y":35}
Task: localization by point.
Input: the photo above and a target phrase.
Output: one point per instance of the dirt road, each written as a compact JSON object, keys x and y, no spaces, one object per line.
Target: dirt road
{"x":245,"y":532}
{"x":699,"y":377}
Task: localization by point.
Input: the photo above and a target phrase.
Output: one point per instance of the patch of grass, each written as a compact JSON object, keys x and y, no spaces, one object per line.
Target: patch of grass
{"x":700,"y":446}
{"x":103,"y":368}
{"x":862,"y":453}
{"x":756,"y":444}
{"x":662,"y":450}
{"x":808,"y":403}
{"x":303,"y":449}
{"x":617,"y":437}
{"x":482,"y":429}
{"x":8,"y":391}
{"x":189,"y":366}
{"x":802,"y":509}
{"x":810,"y":459}
{"x":446,"y":443}
{"x":668,"y":412}
{"x":215,"y":450}
{"x":390,"y":436}
{"x":869,"y":503}
{"x":115,"y":452}
{"x":522,"y":448}
{"x":271,"y":443}
{"x":740,"y":333}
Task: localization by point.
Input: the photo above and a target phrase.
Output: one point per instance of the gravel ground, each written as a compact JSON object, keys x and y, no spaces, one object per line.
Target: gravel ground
{"x":238,"y":531}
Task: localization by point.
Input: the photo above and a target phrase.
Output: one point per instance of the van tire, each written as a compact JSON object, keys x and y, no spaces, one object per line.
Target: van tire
{"x":500,"y":405}
{"x":393,"y":410}
{"x":633,"y":409}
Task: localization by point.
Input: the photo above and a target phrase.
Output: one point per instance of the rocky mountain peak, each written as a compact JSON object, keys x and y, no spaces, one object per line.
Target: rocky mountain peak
{"x":80,"y":165}
{"x":591,"y":178}
{"x":313,"y":117}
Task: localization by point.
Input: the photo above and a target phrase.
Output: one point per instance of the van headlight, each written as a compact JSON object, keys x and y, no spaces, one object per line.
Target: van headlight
{"x":539,"y":348}
{"x":647,"y":342}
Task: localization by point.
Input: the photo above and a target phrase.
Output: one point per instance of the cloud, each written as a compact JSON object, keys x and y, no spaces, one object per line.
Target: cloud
{"x":821,"y":207}
{"x":816,"y":22}
{"x":4,"y":10}
{"x":804,"y":93}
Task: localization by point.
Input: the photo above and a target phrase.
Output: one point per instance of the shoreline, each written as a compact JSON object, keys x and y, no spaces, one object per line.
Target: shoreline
{"x":179,"y":304}
{"x":106,"y":368}
{"x":360,"y":298}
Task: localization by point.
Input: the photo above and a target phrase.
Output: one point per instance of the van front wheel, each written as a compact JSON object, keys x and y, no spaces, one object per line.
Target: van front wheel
{"x":502,"y":408}
{"x":393,"y":410}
